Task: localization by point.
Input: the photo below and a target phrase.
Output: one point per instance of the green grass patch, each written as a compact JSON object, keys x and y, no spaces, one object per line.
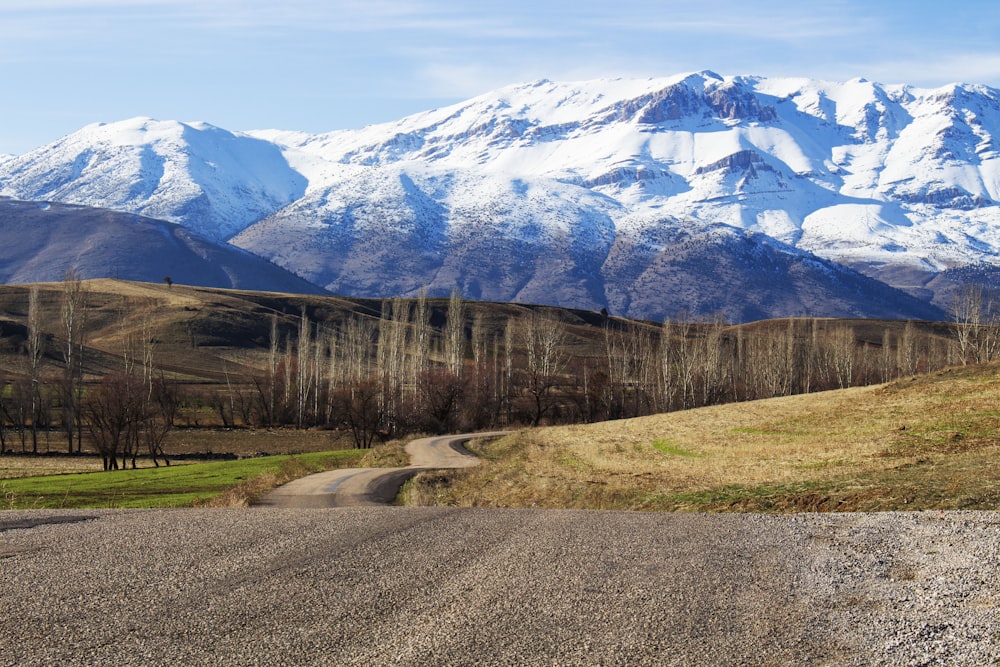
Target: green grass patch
{"x":168,"y":486}
{"x":571,"y":461}
{"x":671,"y":449}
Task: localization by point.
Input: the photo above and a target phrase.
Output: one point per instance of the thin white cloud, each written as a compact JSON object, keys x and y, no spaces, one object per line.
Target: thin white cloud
{"x":940,"y":69}
{"x":752,"y":23}
{"x":455,"y":80}
{"x":337,"y":16}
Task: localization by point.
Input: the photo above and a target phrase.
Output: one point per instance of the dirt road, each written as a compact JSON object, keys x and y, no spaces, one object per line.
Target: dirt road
{"x":440,"y":586}
{"x":353,"y":487}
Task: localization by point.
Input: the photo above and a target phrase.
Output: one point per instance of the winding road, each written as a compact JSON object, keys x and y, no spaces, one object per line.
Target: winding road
{"x":358,"y":487}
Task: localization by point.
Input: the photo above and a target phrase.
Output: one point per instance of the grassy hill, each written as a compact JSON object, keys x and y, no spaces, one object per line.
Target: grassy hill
{"x":927,"y":442}
{"x":205,"y":333}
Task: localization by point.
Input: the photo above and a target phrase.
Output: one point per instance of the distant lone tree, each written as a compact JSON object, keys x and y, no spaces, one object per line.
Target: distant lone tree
{"x":169,"y":281}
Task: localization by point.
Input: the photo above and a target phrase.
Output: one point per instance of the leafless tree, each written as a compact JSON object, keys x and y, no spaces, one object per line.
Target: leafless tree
{"x":667,"y":375}
{"x":618,"y":357}
{"x":766,"y":358}
{"x":4,"y":414}
{"x":35,"y":349}
{"x":19,"y":408}
{"x":907,"y":356}
{"x":272,"y":370}
{"x":686,"y":350}
{"x":111,"y":408}
{"x":392,"y":357}
{"x":977,"y":325}
{"x":542,"y":340}
{"x":454,"y":346}
{"x":441,"y":393}
{"x":158,"y":418}
{"x":73,"y":316}
{"x":842,"y":344}
{"x":304,"y":368}
{"x":360,"y":409}
{"x":715,"y":363}
{"x":887,"y":361}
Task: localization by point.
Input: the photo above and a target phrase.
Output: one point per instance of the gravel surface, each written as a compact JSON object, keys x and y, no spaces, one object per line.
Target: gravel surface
{"x":440,"y":586}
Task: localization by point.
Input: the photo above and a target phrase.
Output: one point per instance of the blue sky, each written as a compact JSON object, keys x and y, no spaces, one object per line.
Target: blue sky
{"x":319,"y":65}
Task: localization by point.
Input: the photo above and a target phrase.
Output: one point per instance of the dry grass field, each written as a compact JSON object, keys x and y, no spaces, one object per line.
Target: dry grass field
{"x":925,"y":442}
{"x":919,"y":443}
{"x":185,"y":445}
{"x":12,"y":467}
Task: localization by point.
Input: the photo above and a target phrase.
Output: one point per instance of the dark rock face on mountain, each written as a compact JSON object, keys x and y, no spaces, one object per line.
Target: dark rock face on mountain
{"x":743,"y":277}
{"x":41,"y":241}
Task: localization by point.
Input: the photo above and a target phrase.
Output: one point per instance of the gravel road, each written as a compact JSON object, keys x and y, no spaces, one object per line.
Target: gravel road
{"x":442,"y":586}
{"x":359,"y":487}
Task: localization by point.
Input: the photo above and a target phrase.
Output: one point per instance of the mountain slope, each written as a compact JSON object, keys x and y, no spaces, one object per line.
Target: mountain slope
{"x":545,"y":191}
{"x":40,"y":242}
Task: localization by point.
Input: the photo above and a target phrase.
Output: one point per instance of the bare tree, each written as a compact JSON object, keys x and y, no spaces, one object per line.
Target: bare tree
{"x":304,"y":367}
{"x":618,"y":357}
{"x":667,"y":375}
{"x":686,"y":350}
{"x":272,"y":370}
{"x":542,"y":339}
{"x":158,"y":418}
{"x":441,"y":393}
{"x":455,"y":334}
{"x":4,"y":414}
{"x":73,"y":316}
{"x":842,"y":343}
{"x":360,"y":409}
{"x":887,"y":363}
{"x":420,"y":347}
{"x":391,"y":358}
{"x":318,"y":366}
{"x":977,"y":325}
{"x":766,"y":356}
{"x":906,"y":350}
{"x":35,"y":348}
{"x":111,"y":408}
{"x":714,"y":374}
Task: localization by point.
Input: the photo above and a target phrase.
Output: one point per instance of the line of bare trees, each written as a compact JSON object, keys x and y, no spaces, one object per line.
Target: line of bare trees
{"x":397,"y":375}
{"x":23,"y":401}
{"x":127,"y":412}
{"x":387,"y":376}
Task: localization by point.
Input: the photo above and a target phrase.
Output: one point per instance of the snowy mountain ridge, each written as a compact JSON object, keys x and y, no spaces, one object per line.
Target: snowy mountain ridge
{"x":563,"y":182}
{"x":204,"y":177}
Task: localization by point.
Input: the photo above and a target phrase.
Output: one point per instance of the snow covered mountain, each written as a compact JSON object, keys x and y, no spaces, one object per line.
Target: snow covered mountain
{"x":214,"y":181}
{"x":588,"y":194}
